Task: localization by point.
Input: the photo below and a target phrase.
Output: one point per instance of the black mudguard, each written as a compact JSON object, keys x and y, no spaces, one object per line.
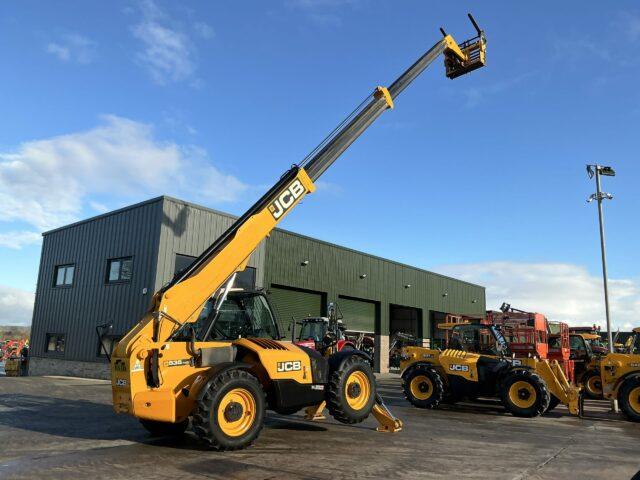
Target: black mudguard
{"x":213,"y":372}
{"x":413,"y":366}
{"x":337,"y":358}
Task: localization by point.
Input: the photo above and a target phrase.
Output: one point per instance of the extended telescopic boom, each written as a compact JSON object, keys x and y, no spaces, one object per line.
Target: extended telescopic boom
{"x":182,"y":299}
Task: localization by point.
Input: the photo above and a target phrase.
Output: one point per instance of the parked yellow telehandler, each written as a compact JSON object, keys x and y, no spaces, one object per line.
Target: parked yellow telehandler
{"x":478,"y":363}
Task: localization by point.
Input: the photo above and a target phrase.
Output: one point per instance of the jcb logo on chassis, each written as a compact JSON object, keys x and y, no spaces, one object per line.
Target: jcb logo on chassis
{"x":280,"y":205}
{"x":459,"y":368}
{"x":292,"y":366}
{"x":634,"y":365}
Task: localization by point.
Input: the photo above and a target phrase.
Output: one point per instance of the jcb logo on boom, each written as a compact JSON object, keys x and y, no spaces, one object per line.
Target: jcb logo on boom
{"x":459,"y":368}
{"x":286,"y":199}
{"x":292,"y":366}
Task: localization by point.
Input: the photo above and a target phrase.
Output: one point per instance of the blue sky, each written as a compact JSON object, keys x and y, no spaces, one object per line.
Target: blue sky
{"x":109,"y":103}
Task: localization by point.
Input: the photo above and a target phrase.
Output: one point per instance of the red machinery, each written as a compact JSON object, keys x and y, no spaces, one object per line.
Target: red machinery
{"x":531,"y":334}
{"x":526,"y":333}
{"x":560,"y":348}
{"x":325,"y":334}
{"x":315,"y":333}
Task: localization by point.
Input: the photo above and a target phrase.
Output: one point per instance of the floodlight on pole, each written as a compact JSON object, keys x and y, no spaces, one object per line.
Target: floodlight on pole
{"x":597,"y":171}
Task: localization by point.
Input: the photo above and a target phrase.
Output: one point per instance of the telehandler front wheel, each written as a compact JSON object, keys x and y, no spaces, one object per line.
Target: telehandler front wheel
{"x":231,"y":413}
{"x":165,"y":429}
{"x":525,"y":394}
{"x":352,"y":390}
{"x":592,"y":383}
{"x":424,"y":388}
{"x":629,"y":399}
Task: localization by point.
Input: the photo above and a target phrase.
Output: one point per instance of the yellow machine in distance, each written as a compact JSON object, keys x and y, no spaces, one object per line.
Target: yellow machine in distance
{"x":212,"y":354}
{"x":478,"y":363}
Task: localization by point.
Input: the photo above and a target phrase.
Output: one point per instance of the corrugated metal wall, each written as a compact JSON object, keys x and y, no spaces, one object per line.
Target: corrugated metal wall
{"x":154,"y":232}
{"x":337,"y":270}
{"x":189,"y":229}
{"x":76,"y":311}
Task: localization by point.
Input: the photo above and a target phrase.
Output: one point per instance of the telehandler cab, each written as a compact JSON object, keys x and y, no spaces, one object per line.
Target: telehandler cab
{"x":210,"y":353}
{"x":478,"y":363}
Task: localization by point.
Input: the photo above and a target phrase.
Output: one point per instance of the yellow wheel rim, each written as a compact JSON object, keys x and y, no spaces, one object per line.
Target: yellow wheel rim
{"x":421,"y":387}
{"x":522,"y":394}
{"x":594,"y":385}
{"x":358,"y":390}
{"x":634,"y":399}
{"x":236,"y":412}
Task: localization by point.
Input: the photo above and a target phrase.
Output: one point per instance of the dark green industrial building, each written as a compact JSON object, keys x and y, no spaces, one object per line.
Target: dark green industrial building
{"x":105,"y":270}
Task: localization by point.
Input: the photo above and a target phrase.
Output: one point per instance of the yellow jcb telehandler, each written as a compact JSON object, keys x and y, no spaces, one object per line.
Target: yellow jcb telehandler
{"x":478,"y":363}
{"x":616,"y":376}
{"x":211,"y":353}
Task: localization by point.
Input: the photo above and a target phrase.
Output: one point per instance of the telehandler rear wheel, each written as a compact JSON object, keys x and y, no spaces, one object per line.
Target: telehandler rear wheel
{"x":592,"y":382}
{"x":525,"y":394}
{"x":352,"y":390}
{"x":231,"y":413}
{"x":165,"y":429}
{"x":423,"y":387}
{"x":629,"y":398}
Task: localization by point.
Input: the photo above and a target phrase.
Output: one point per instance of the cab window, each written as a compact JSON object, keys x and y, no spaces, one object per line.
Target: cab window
{"x":242,"y":316}
{"x":312,"y":331}
{"x":473,"y":338}
{"x":577,"y":343}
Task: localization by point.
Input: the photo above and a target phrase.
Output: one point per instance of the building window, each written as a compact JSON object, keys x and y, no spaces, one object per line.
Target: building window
{"x":182,"y":263}
{"x":63,"y":275}
{"x":246,"y":279}
{"x":55,"y":342}
{"x":107,"y":343}
{"x":119,"y":270}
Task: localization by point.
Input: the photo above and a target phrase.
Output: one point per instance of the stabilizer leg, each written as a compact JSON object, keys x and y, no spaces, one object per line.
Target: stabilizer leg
{"x":315,"y":412}
{"x":388,"y":422}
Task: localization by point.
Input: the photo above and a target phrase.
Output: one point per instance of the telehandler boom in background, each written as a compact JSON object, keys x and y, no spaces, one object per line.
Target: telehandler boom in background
{"x":211,"y":353}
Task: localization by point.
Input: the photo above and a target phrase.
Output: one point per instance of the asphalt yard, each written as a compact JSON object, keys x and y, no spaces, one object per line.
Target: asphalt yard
{"x":65,"y":428}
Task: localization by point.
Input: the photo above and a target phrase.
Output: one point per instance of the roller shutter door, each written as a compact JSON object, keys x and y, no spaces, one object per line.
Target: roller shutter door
{"x":359,"y":316}
{"x":295,"y":303}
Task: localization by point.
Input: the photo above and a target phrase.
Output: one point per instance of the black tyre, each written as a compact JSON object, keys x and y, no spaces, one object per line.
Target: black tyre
{"x":165,"y":429}
{"x":424,"y":388}
{"x":525,"y":394}
{"x":629,"y":398}
{"x":352,"y":390}
{"x":553,"y":403}
{"x":592,"y":384}
{"x":231,"y":413}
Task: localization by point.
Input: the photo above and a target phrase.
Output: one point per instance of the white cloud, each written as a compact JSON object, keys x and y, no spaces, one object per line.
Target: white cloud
{"x":17,"y":240}
{"x":58,"y":50}
{"x":73,"y":48}
{"x":204,"y":30}
{"x":561,"y":291}
{"x":167,"y":52}
{"x":629,"y":24}
{"x":98,"y":207}
{"x":16,"y":306}
{"x":48,"y":183}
